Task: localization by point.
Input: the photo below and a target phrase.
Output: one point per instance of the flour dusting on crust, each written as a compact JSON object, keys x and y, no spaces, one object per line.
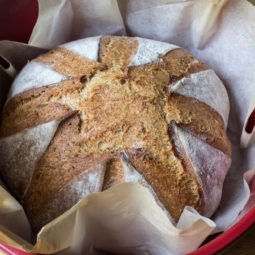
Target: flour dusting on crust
{"x":206,"y":87}
{"x":20,"y":152}
{"x":210,"y":165}
{"x":88,"y":182}
{"x":87,"y":47}
{"x":149,"y":50}
{"x":34,"y":75}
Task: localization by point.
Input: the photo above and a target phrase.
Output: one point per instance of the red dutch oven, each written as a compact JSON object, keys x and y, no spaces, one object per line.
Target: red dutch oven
{"x":17,"y":19}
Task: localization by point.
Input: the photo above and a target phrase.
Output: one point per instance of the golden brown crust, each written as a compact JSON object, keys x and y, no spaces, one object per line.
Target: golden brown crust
{"x":118,"y":108}
{"x":180,"y":63}
{"x":199,"y":118}
{"x":117,"y":52}
{"x":69,"y":63}
{"x":60,"y":164}
{"x":174,"y":186}
{"x":176,"y":64}
{"x":35,"y":107}
{"x":181,"y":154}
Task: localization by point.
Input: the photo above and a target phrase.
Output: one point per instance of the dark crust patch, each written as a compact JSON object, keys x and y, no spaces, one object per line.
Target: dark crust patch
{"x":114,"y":173}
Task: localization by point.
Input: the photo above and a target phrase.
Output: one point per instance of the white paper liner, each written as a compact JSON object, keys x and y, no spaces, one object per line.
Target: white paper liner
{"x":12,"y":216}
{"x":224,"y":39}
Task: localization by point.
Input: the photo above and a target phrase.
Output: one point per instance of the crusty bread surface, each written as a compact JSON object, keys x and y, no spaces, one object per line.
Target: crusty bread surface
{"x":111,"y":111}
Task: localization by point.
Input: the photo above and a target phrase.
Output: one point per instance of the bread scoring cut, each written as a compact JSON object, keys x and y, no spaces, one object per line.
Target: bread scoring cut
{"x":206,"y":87}
{"x":21,"y":151}
{"x":130,"y":114}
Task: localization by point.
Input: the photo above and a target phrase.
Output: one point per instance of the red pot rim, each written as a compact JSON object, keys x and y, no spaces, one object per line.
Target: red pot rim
{"x":216,"y":245}
{"x":228,"y":237}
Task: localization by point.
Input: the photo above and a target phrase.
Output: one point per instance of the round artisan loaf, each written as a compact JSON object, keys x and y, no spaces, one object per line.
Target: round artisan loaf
{"x":105,"y":110}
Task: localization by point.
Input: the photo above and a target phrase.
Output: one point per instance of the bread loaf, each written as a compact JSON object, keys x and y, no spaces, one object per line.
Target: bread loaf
{"x":105,"y":110}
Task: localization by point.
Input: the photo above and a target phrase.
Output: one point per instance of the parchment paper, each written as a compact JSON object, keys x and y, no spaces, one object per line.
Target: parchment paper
{"x":125,"y":219}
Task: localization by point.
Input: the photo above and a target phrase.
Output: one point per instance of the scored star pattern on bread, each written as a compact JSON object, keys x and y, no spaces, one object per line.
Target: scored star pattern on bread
{"x":109,"y":107}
